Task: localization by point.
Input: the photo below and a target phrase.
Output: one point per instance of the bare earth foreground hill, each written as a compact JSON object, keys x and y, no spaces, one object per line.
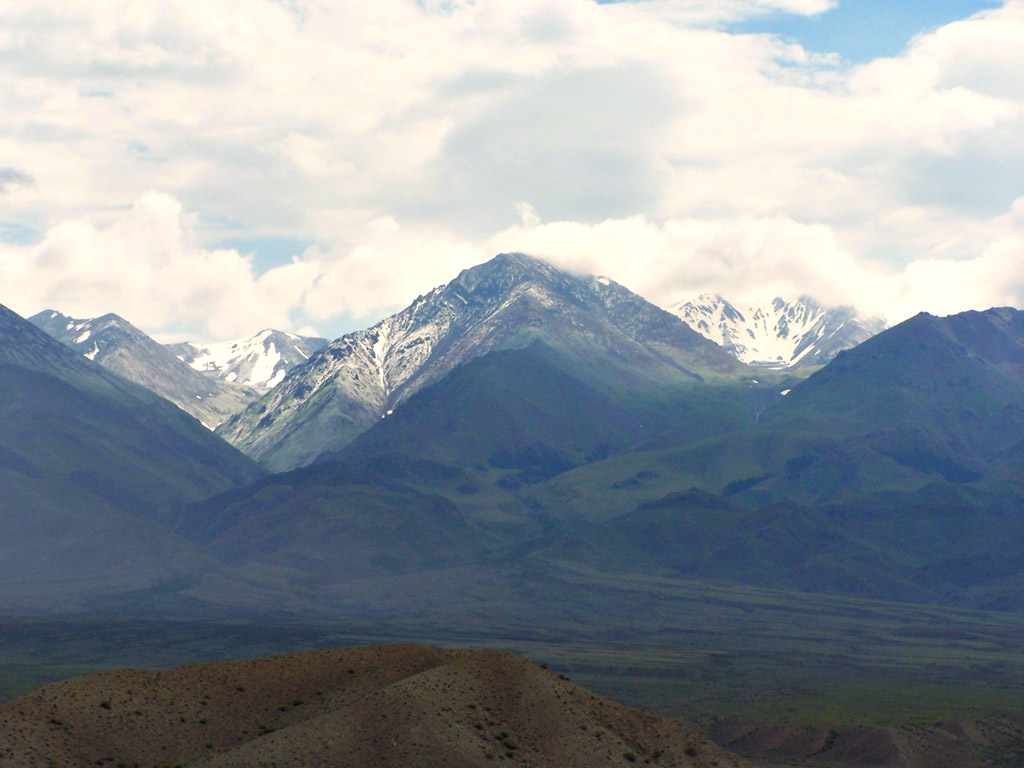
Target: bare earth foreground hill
{"x":370,"y":707}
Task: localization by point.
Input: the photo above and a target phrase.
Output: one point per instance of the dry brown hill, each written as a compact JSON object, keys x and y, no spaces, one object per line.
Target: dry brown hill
{"x":372,"y":707}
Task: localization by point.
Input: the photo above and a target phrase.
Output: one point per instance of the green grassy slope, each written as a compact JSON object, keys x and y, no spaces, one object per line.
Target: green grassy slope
{"x":893,"y":473}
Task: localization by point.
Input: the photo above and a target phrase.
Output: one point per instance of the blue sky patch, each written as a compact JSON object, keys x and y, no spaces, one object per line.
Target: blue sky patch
{"x":863,"y":30}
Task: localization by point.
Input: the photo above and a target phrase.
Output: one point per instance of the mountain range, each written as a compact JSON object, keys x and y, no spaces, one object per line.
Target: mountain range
{"x":209,"y":382}
{"x":119,"y":346}
{"x":520,"y":448}
{"x":778,"y":333}
{"x":522,"y":417}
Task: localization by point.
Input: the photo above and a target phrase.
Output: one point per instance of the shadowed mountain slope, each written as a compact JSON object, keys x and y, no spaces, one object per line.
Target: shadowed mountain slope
{"x":958,"y":378}
{"x":349,"y":708}
{"x":497,"y":470}
{"x":504,"y":405}
{"x":330,"y":522}
{"x":890,"y":473}
{"x":91,"y":464}
{"x":445,"y":481}
{"x":123,"y":427}
{"x":613,"y":338}
{"x":930,"y":401}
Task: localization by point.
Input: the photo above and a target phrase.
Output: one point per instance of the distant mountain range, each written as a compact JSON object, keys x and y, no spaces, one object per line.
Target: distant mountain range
{"x":890,"y":474}
{"x":118,"y":345}
{"x":612,"y":337}
{"x":885,"y":474}
{"x":778,"y":333}
{"x":261,"y":360}
{"x":506,"y":303}
{"x":521,"y":430}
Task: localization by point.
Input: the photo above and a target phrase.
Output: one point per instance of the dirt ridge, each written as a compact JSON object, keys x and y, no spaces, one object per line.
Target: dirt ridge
{"x":383,"y":706}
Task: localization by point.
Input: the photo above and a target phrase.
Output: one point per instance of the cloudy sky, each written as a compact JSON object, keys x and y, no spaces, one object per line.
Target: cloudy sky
{"x":210,"y":169}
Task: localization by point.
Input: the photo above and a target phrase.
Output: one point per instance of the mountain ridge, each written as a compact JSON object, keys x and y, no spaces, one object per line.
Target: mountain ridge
{"x":385,"y":706}
{"x":116,"y":344}
{"x":91,"y":465}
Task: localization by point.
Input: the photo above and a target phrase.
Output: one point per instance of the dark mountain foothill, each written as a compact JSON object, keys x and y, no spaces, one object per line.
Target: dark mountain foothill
{"x":893,"y":463}
{"x":92,"y":466}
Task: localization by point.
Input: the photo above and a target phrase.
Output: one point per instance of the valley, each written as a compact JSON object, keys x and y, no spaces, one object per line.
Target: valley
{"x":731,"y":660}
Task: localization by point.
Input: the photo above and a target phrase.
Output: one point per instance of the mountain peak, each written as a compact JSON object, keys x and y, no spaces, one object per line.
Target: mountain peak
{"x":515,"y":257}
{"x":23,"y":344}
{"x":504,"y":271}
{"x":710,"y":298}
{"x":507,"y":302}
{"x":112,"y":317}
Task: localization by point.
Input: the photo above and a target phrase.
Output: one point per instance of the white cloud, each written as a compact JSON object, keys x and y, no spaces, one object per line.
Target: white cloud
{"x":389,"y":268}
{"x":716,"y":11}
{"x":12,"y":179}
{"x":401,"y":137}
{"x":145,"y":266}
{"x":756,"y":258}
{"x":982,"y":54}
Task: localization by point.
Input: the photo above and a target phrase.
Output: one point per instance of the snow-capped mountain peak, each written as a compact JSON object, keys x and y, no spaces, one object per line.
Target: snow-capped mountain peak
{"x":261,"y":360}
{"x":778,"y":333}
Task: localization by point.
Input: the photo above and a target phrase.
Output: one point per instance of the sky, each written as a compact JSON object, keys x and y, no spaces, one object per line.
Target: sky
{"x":209,"y":170}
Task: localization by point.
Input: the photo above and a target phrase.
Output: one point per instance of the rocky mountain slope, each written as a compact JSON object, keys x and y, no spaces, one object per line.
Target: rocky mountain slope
{"x":506,"y":303}
{"x":347,"y":708}
{"x":261,"y":360}
{"x":779,"y":333}
{"x":118,"y":345}
{"x":966,"y":743}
